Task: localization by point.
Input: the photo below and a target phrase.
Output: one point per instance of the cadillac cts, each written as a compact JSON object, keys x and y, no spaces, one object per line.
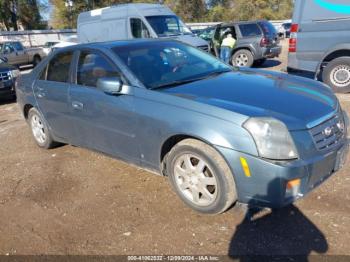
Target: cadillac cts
{"x":220,"y":134}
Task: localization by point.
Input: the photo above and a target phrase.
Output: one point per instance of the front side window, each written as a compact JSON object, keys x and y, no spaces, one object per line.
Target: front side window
{"x":59,"y":66}
{"x":93,"y":66}
{"x":248,"y":30}
{"x":138,"y":28}
{"x":158,"y":64}
{"x":167,"y":25}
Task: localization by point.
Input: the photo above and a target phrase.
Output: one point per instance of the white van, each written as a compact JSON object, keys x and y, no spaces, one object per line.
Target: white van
{"x":128,"y":21}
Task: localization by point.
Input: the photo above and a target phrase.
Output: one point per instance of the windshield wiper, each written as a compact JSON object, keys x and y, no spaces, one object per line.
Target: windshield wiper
{"x":186,"y":81}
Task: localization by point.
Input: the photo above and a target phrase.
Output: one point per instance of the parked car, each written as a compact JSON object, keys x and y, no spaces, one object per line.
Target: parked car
{"x":133,"y":21}
{"x":319,"y":45}
{"x":220,"y":134}
{"x":61,"y":45}
{"x":8,"y":75}
{"x":48,"y":46}
{"x":256,"y":41}
{"x":18,"y":55}
{"x":284,"y":30}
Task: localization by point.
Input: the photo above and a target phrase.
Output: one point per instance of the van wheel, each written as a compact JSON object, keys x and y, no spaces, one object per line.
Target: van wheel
{"x":337,"y":74}
{"x":40,"y":130}
{"x":243,"y":58}
{"x":201,"y":177}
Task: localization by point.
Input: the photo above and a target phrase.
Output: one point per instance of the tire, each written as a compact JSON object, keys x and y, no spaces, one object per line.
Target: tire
{"x":40,"y":130}
{"x":36,"y":60}
{"x":242,"y":58}
{"x":208,"y":189}
{"x":337,"y":74}
{"x":259,"y":62}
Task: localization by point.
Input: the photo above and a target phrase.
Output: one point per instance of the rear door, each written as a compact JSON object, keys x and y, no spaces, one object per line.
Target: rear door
{"x":101,"y":121}
{"x":51,"y":93}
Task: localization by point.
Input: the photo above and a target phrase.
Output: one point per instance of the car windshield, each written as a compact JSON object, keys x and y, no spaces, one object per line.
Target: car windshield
{"x":169,"y":63}
{"x":167,"y":25}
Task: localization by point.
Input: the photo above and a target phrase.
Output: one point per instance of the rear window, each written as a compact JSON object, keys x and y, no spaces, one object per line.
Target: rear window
{"x":249,"y":30}
{"x":268,"y":28}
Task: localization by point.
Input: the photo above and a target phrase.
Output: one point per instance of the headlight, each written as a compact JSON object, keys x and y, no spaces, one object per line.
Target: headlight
{"x":272,"y":138}
{"x":15,"y":73}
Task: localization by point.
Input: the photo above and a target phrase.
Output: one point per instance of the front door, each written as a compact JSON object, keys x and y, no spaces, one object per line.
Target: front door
{"x":102,"y":122}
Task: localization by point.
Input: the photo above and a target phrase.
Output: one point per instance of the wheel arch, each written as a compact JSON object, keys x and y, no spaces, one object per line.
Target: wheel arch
{"x":336,"y":52}
{"x":26,"y":109}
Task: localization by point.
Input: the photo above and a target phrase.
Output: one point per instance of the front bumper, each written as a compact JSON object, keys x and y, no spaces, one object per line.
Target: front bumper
{"x":7,"y":88}
{"x":271,"y":52}
{"x":267,"y":184}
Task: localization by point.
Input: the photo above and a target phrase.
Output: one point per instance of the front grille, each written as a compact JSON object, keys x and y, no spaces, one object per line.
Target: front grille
{"x":4,"y":76}
{"x":204,"y":48}
{"x":328,"y":134}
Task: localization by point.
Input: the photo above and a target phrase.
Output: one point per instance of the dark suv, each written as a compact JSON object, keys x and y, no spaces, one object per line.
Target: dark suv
{"x":256,"y":41}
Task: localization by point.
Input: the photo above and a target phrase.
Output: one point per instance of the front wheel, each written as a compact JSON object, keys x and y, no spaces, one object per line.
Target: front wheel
{"x":201,"y":177}
{"x":242,"y":58}
{"x":337,"y":74}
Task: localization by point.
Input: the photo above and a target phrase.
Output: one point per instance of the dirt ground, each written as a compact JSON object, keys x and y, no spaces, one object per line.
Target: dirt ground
{"x":73,"y":201}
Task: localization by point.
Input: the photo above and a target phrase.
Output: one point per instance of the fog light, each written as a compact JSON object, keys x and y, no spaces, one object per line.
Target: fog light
{"x":293,"y":187}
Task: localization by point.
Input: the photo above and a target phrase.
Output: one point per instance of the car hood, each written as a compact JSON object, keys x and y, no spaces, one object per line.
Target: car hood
{"x":299,"y":103}
{"x":192,"y":40}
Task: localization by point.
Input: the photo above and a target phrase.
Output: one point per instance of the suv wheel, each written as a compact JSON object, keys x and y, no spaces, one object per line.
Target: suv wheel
{"x":243,"y":58}
{"x":40,"y":130}
{"x":337,"y":74}
{"x":201,"y":177}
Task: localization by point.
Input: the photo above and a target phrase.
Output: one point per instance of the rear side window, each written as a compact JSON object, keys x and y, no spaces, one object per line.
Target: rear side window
{"x":268,"y":28}
{"x":59,"y":66}
{"x":93,"y":66}
{"x":138,"y":28}
{"x":250,"y":30}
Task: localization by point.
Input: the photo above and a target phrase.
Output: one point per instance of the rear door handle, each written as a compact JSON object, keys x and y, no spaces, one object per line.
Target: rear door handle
{"x":77,"y":105}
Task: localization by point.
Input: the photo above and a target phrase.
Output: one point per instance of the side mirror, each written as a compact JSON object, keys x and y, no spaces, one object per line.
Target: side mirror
{"x":110,"y":85}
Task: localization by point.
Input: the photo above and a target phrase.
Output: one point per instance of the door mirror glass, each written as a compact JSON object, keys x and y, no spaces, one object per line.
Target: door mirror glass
{"x":110,"y":85}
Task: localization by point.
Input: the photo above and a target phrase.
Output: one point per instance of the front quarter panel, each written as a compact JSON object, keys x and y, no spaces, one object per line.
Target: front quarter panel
{"x":162,"y":116}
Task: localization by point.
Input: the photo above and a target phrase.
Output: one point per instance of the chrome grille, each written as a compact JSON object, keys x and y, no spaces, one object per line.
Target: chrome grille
{"x":204,"y":48}
{"x":4,"y":76}
{"x":328,"y":134}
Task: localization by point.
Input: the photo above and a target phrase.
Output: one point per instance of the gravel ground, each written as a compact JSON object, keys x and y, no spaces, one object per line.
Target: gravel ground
{"x":73,"y":201}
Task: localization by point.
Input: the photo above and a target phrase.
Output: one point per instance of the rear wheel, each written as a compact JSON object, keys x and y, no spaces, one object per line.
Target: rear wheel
{"x":243,"y":58}
{"x":40,"y":130}
{"x":337,"y":74}
{"x":201,"y":177}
